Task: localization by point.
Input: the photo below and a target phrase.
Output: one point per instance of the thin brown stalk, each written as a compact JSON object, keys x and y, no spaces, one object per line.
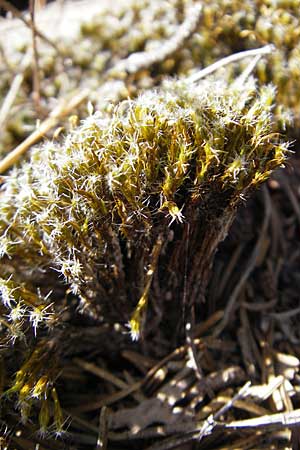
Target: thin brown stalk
{"x":287,"y":419}
{"x":210,"y":423}
{"x":229,"y":270}
{"x":63,"y":109}
{"x":247,"y":272}
{"x":14,"y":88}
{"x":7,"y":63}
{"x":36,"y":75}
{"x":194,"y":358}
{"x":101,"y":373}
{"x":103,"y":429}
{"x":16,"y":13}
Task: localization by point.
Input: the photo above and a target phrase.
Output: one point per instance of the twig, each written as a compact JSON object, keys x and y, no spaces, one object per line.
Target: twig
{"x":190,"y":326}
{"x":103,"y":430}
{"x":9,"y":7}
{"x":143,"y":60}
{"x":202,"y":327}
{"x":87,"y":424}
{"x":139,"y":315}
{"x":109,"y":399}
{"x":291,"y":196}
{"x":263,"y":391}
{"x":285,"y":315}
{"x":36,"y":77}
{"x":14,"y":88}
{"x":101,"y":373}
{"x":60,"y":111}
{"x":141,"y":362}
{"x":262,"y":306}
{"x":210,"y":423}
{"x":195,"y":360}
{"x":186,"y":257}
{"x":247,"y":343}
{"x":174,"y":442}
{"x":229,"y":269}
{"x":287,"y":419}
{"x":267,"y":49}
{"x":8,"y":64}
{"x":247,"y":72}
{"x":250,"y":266}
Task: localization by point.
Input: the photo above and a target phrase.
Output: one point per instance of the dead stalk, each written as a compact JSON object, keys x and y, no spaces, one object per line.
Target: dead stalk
{"x":63,"y":109}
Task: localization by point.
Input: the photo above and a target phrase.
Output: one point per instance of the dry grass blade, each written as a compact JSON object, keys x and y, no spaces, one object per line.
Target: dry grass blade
{"x":36,"y":76}
{"x":250,"y":266}
{"x":108,"y":400}
{"x":210,"y":423}
{"x":14,"y":88}
{"x":103,"y":430}
{"x":229,"y":60}
{"x":99,"y":372}
{"x":63,"y":109}
{"x":11,"y":8}
{"x":281,"y":420}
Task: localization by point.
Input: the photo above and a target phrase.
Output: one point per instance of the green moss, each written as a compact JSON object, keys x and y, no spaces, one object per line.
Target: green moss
{"x":125,"y":178}
{"x":97,"y":216}
{"x":225,"y":28}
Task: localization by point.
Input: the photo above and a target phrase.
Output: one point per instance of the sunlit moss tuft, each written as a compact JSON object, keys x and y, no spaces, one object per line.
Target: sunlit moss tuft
{"x":98,"y":223}
{"x":32,"y":386}
{"x":118,"y":181}
{"x":143,"y":26}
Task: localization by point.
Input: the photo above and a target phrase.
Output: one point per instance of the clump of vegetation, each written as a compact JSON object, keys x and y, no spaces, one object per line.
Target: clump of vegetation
{"x":102,"y":213}
{"x":110,"y":37}
{"x":123,"y":215}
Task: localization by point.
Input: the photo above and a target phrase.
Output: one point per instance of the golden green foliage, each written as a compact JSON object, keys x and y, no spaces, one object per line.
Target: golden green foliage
{"x":92,"y":217}
{"x":33,"y":387}
{"x":121,"y":180}
{"x":225,"y":28}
